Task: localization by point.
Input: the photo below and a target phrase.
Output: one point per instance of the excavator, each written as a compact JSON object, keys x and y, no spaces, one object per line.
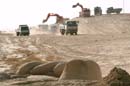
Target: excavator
{"x":64,"y":24}
{"x":59,"y":20}
{"x":85,"y":12}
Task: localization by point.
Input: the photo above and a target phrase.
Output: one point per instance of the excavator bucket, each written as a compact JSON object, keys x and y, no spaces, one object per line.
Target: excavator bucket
{"x":74,"y":6}
{"x":44,"y":21}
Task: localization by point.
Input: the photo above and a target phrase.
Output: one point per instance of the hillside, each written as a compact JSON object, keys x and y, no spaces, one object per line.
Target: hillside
{"x":105,"y":24}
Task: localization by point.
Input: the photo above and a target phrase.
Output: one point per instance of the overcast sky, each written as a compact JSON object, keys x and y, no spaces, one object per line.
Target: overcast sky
{"x":32,"y":12}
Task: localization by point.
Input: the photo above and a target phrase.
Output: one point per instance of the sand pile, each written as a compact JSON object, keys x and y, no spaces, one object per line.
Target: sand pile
{"x":117,"y":77}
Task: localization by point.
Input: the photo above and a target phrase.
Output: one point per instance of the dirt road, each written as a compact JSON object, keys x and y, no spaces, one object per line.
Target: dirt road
{"x":108,"y":45}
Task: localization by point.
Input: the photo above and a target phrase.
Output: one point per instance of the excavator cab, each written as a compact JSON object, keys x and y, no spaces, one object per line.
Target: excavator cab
{"x":23,"y":30}
{"x":85,"y":12}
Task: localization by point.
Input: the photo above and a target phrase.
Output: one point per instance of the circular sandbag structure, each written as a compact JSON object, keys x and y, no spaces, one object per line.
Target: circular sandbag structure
{"x":44,"y":69}
{"x":27,"y":67}
{"x":82,"y":70}
{"x":58,"y":69}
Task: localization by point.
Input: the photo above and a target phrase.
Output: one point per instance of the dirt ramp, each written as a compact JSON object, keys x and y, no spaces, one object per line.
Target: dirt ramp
{"x":82,"y":70}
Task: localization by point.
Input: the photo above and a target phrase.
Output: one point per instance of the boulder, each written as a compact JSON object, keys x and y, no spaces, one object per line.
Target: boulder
{"x":82,"y":70}
{"x":27,"y":67}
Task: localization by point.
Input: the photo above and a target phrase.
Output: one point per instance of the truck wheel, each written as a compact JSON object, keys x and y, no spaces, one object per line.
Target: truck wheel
{"x":17,"y":34}
{"x":66,"y":33}
{"x":75,"y":33}
{"x":117,"y":12}
{"x":71,"y":33}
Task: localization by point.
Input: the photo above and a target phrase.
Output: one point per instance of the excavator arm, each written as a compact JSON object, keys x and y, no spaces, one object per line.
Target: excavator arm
{"x":59,"y":18}
{"x":45,"y":20}
{"x":74,"y":6}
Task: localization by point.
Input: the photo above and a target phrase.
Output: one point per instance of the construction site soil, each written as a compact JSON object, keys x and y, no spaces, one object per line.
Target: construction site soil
{"x":104,"y":39}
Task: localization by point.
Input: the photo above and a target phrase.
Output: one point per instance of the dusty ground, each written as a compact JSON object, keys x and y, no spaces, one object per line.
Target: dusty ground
{"x":109,"y":48}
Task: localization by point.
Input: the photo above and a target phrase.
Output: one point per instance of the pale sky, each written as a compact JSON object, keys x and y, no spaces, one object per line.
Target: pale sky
{"x":32,"y":12}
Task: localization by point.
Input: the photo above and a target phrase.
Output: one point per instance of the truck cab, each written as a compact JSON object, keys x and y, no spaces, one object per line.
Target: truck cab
{"x":23,"y":30}
{"x":72,"y":27}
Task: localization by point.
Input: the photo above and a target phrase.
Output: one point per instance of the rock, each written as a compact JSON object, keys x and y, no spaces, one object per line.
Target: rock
{"x":4,"y":76}
{"x":117,"y":77}
{"x":82,"y":70}
{"x":58,"y":69}
{"x":27,"y":67}
{"x":44,"y":69}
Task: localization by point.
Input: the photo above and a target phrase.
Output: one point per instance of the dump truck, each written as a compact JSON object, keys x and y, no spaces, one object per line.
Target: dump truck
{"x":71,"y":27}
{"x":23,"y":30}
{"x":85,"y":12}
{"x":113,"y":10}
{"x":97,"y":11}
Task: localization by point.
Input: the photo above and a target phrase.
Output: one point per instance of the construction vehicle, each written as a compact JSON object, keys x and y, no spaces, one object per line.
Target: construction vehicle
{"x":59,"y":20}
{"x":113,"y":10}
{"x":23,"y":30}
{"x":97,"y":11}
{"x":71,"y":27}
{"x":85,"y":12}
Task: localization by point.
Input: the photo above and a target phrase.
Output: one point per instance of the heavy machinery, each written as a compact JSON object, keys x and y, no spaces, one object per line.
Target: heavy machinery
{"x":85,"y":12}
{"x":59,"y":20}
{"x":71,"y":27}
{"x":97,"y":11}
{"x":113,"y":10}
{"x":23,"y":30}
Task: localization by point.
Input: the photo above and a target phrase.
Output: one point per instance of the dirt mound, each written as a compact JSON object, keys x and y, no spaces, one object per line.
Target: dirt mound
{"x":81,"y":70}
{"x":117,"y":77}
{"x":105,"y":24}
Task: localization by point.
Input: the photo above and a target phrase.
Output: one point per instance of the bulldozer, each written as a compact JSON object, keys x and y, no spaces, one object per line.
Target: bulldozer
{"x":85,"y":12}
{"x":113,"y":10}
{"x":97,"y":11}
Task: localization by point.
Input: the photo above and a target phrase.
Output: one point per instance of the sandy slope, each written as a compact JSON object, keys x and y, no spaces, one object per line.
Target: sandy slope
{"x":104,"y":39}
{"x":105,"y":24}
